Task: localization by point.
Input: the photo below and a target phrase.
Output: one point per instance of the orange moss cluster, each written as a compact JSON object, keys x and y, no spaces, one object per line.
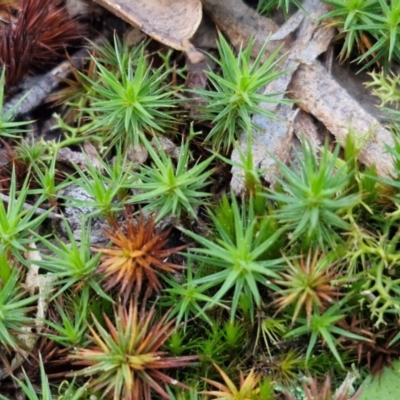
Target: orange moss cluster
{"x":139,"y":252}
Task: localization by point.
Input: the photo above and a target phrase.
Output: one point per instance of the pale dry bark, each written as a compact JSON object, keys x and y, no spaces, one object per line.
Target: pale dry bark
{"x":308,"y":82}
{"x":239,"y":22}
{"x":320,"y":95}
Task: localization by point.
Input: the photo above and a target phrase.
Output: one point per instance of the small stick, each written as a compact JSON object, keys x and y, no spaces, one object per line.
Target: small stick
{"x":41,"y":87}
{"x":38,"y":88}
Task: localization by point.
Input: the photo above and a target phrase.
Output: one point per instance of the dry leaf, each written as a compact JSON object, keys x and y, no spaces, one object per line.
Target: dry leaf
{"x":169,"y":22}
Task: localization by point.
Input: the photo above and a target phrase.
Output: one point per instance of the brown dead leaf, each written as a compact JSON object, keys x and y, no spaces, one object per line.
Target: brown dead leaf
{"x":169,"y":22}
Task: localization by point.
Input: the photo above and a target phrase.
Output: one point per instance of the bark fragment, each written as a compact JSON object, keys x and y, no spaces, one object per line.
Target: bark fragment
{"x":272,"y":139}
{"x":321,"y":96}
{"x":308,"y":82}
